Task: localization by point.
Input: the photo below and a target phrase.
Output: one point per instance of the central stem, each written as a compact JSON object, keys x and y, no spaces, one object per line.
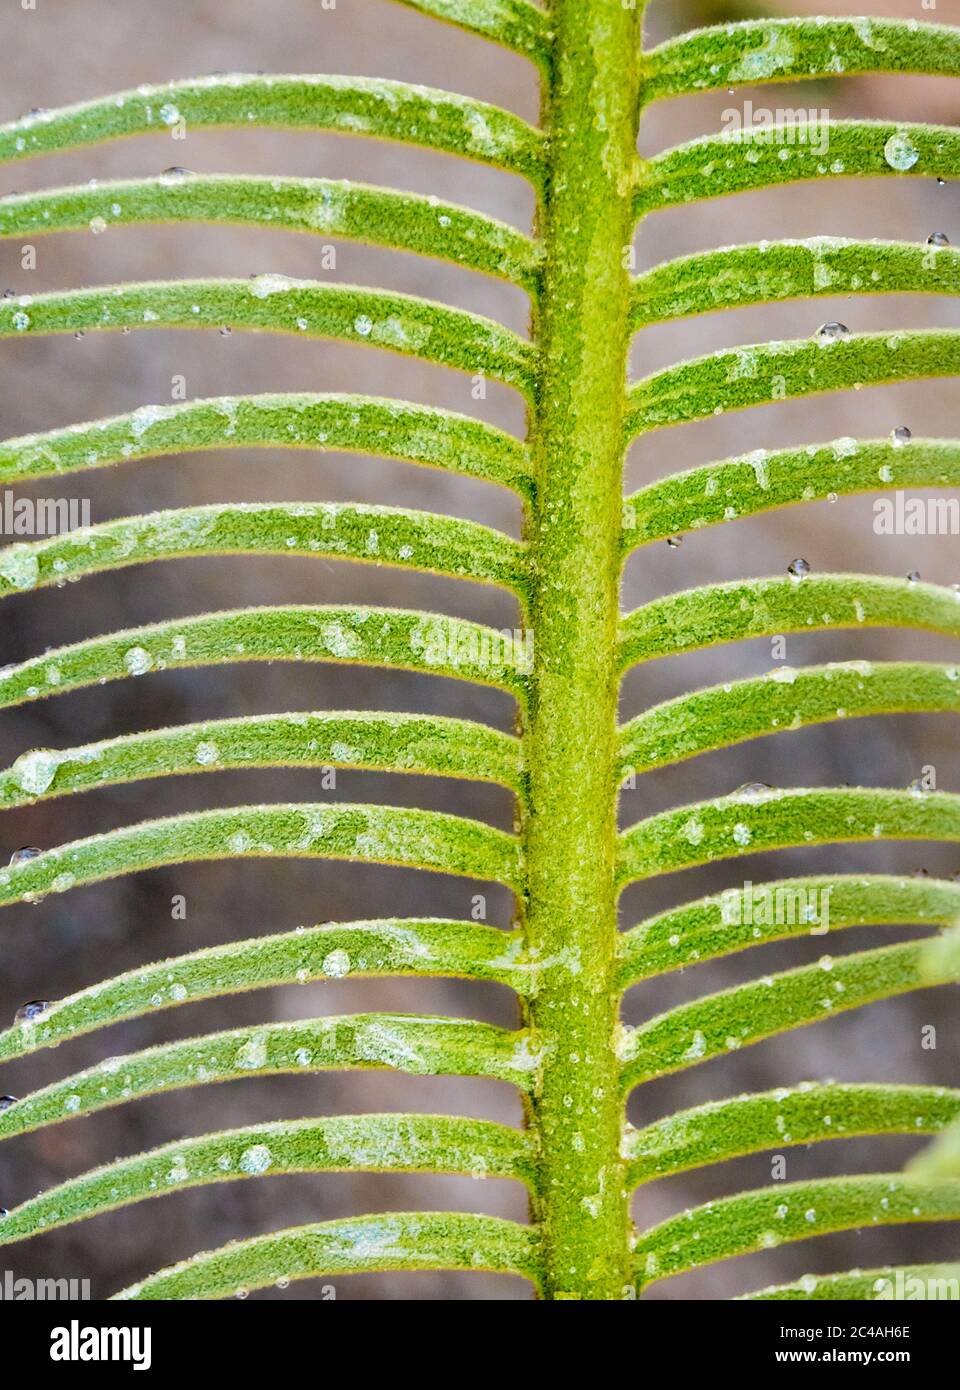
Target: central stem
{"x":590,"y":118}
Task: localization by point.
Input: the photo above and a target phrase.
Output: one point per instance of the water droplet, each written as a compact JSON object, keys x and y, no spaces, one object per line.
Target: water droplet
{"x":31,"y":1010}
{"x":900,"y":152}
{"x":79,"y":334}
{"x":938,"y":239}
{"x":138,"y":661}
{"x":941,"y":183}
{"x":176,"y":171}
{"x":917,"y":788}
{"x":7,"y":1101}
{"x":832,"y":331}
{"x":20,"y":856}
{"x":798,"y":569}
{"x":97,"y":225}
{"x":900,"y":436}
{"x":336,"y":964}
{"x":674,"y":542}
{"x":753,"y":789}
{"x":225,"y":331}
{"x":913,"y":577}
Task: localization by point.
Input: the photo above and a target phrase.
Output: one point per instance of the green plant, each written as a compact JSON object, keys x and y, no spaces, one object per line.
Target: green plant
{"x":571,"y":1058}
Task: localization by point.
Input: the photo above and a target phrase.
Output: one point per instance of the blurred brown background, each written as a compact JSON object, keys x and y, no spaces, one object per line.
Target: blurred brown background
{"x":66,"y":52}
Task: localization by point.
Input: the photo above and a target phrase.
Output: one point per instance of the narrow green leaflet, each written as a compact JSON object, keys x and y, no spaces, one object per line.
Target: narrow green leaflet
{"x":320,"y":422}
{"x":279,"y":304}
{"x":326,"y":207}
{"x":330,"y":530}
{"x":765,"y":372}
{"x":736,"y":276}
{"x":364,"y":106}
{"x":756,"y":913}
{"x":752,"y":822}
{"x":789,"y":1212}
{"x":788,"y":50}
{"x":769,"y":478}
{"x":356,"y":950}
{"x":305,"y":830}
{"x":744,"y":159}
{"x":401,"y":638}
{"x":404,"y":1240}
{"x":395,"y":1143}
{"x":517,"y":24}
{"x":724,"y":715}
{"x":416,"y":1044}
{"x":407,"y":743}
{"x":741,"y":608}
{"x":720,"y":1023}
{"x":803,"y":1114}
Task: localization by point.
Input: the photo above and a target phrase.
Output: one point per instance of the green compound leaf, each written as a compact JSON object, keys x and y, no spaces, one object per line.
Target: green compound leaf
{"x":770,"y":478}
{"x":762,"y":373}
{"x":351,"y":424}
{"x":310,"y":830}
{"x":738,"y":1017}
{"x":725,"y":715}
{"x":421,"y":948}
{"x":730,"y":612}
{"x":330,"y":530}
{"x":390,"y":637}
{"x":415,"y":1044}
{"x":744,"y":159}
{"x":805,"y":1114}
{"x":394,"y":1143}
{"x":407,"y":1240}
{"x":279,"y":304}
{"x":752,"y":822}
{"x":516,"y":24}
{"x":789,"y":50}
{"x":757,"y":913}
{"x":790,"y":1212}
{"x":896,"y":1284}
{"x":736,"y":276}
{"x":370,"y":107}
{"x":327,"y":207}
{"x":409,"y":743}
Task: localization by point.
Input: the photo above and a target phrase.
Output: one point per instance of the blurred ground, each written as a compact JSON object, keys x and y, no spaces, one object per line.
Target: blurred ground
{"x":65,"y":52}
